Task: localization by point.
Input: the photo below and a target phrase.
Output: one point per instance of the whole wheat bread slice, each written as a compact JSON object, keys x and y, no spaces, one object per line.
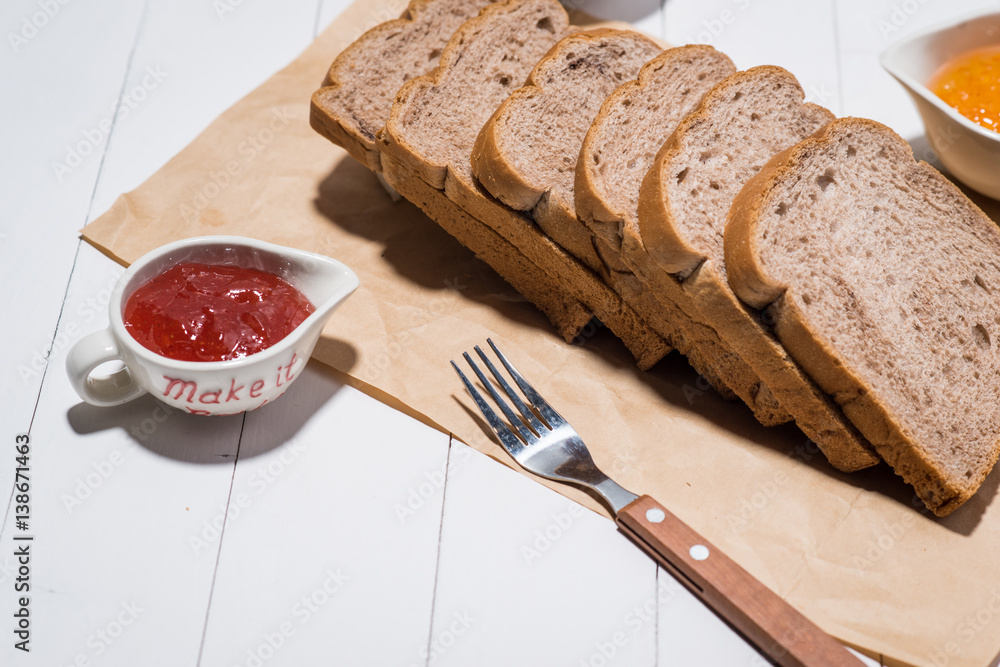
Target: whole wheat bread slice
{"x":685,"y":198}
{"x":526,"y":156}
{"x":356,"y":97}
{"x":355,"y":102}
{"x":435,"y":120}
{"x":632,"y":125}
{"x":620,"y":144}
{"x":880,"y":276}
{"x":526,"y":153}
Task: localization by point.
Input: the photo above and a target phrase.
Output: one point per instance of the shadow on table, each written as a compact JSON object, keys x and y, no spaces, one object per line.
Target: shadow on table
{"x":173,"y":434}
{"x":414,"y":246}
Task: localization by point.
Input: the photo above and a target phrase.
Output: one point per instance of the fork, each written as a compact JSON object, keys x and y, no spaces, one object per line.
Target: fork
{"x":542,"y":442}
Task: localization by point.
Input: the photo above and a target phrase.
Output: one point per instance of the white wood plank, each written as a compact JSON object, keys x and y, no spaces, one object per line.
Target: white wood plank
{"x":61,"y":88}
{"x":791,"y":34}
{"x":332,"y":555}
{"x":115,"y":494}
{"x":192,"y":63}
{"x":527,"y":577}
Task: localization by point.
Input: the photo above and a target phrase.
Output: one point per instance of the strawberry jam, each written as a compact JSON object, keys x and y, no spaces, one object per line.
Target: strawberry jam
{"x":200,"y":312}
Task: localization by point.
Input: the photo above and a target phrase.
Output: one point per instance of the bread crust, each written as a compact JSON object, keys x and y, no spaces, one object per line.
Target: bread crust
{"x":325,"y":119}
{"x":658,"y":296}
{"x":753,"y":284}
{"x":666,"y":241}
{"x":576,"y":279}
{"x":591,"y":206}
{"x":662,"y":234}
{"x":393,"y":137}
{"x":494,"y":165}
{"x":814,"y":412}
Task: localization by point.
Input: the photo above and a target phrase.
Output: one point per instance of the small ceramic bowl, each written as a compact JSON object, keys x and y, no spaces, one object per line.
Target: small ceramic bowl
{"x":969,"y":151}
{"x":214,"y":387}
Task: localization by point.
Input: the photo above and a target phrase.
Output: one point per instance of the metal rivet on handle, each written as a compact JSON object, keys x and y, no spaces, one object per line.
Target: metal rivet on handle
{"x":699,"y":552}
{"x":655,"y":515}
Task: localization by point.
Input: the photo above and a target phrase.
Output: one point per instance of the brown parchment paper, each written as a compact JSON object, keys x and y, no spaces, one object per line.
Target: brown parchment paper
{"x":853,"y":552}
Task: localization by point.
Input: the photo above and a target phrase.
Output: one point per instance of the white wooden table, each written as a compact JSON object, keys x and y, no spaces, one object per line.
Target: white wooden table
{"x":326,"y":528}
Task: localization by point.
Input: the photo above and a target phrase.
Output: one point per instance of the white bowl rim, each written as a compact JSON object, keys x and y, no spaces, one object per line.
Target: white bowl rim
{"x":278,"y":349}
{"x":887,"y":60}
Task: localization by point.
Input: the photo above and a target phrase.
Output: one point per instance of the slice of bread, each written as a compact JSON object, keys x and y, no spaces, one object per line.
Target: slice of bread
{"x":435,"y":118}
{"x":434,"y":123}
{"x":879,"y":275}
{"x":685,"y":198}
{"x":617,"y":150}
{"x":630,"y":129}
{"x":354,"y":102}
{"x":526,"y":153}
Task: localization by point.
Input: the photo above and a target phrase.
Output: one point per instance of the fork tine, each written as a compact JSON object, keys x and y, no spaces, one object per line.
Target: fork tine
{"x":507,"y":438}
{"x":529,"y":416}
{"x":547,"y":411}
{"x":526,"y":434}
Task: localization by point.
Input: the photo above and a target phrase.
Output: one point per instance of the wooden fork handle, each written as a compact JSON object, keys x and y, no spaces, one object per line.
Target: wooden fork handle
{"x":773,"y":625}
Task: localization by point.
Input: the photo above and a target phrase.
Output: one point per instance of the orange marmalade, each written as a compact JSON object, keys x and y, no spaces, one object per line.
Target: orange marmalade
{"x":970,"y":83}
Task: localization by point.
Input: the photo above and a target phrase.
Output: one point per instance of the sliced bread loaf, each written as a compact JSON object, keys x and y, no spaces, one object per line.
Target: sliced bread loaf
{"x":434,"y":123}
{"x":526,"y":153}
{"x":879,"y":276}
{"x":685,"y":197}
{"x":354,"y":102}
{"x":526,"y":156}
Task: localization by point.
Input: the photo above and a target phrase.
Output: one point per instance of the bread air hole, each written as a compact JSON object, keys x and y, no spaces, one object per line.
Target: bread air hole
{"x":681,"y":176}
{"x":851,"y":151}
{"x":545,"y":24}
{"x":434,"y":54}
{"x":981,"y":336}
{"x":825,"y":179}
{"x":782,"y":209}
{"x":755,"y":116}
{"x":979,"y":281}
